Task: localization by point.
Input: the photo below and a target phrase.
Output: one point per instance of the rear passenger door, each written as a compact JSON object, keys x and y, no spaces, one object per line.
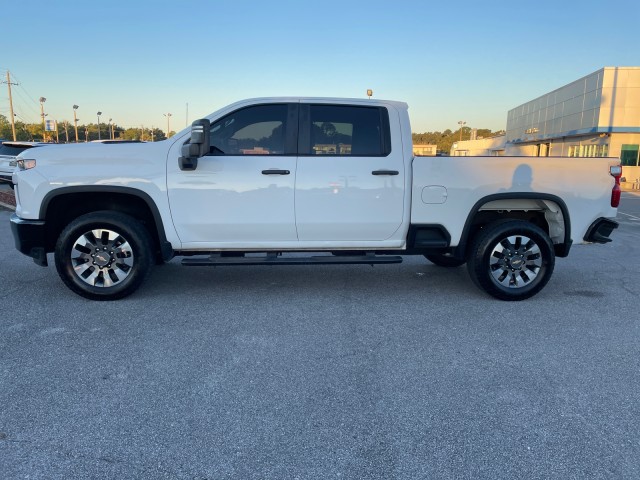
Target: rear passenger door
{"x":350,"y":179}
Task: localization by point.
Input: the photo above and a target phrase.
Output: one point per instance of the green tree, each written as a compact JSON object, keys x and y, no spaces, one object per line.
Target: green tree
{"x":5,"y":128}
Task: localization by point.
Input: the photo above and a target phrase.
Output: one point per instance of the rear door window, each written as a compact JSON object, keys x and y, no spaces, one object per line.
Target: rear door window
{"x":343,"y":130}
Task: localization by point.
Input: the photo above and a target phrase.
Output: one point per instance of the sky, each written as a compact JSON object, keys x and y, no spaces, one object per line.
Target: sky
{"x":459,"y":60}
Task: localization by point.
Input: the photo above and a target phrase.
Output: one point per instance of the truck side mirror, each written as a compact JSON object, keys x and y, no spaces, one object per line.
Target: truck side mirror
{"x":198,"y":145}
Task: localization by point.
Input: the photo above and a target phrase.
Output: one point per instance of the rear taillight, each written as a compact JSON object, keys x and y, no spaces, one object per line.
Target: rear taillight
{"x":616,"y":172}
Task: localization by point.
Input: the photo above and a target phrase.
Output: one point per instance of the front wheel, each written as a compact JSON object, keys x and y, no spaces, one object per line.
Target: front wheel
{"x":511,"y":260}
{"x":104,"y":255}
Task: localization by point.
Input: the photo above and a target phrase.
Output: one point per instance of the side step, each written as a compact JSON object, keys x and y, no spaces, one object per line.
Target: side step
{"x":273,"y":259}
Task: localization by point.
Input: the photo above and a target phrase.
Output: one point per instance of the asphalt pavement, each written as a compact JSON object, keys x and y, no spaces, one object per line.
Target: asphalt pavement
{"x":400,"y":371}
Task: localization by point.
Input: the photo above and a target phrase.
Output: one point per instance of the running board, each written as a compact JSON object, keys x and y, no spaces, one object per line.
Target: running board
{"x":272,"y":259}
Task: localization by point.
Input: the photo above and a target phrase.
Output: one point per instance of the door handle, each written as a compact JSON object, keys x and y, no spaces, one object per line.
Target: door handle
{"x":385,"y":172}
{"x":274,"y":171}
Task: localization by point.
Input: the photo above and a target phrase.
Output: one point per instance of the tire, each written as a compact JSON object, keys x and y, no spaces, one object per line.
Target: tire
{"x":104,"y":255}
{"x":511,"y":260}
{"x":443,"y":260}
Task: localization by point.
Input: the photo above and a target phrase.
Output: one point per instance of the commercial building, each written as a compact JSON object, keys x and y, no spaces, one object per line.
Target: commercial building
{"x":425,"y":150}
{"x":491,"y":146}
{"x":595,"y":116}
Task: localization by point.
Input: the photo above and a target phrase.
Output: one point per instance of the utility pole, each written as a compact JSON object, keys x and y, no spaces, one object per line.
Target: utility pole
{"x":57,"y":133}
{"x":66,"y":131}
{"x":13,"y":123}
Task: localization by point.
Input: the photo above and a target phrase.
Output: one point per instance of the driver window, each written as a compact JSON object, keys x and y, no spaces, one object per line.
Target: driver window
{"x":258,"y":130}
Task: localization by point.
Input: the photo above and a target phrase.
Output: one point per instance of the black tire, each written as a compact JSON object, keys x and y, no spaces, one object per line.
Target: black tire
{"x":511,"y":260}
{"x":443,"y":260}
{"x":104,"y":255}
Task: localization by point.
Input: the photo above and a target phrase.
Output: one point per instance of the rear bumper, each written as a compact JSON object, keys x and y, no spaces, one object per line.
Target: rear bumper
{"x":29,"y":237}
{"x":600,"y":230}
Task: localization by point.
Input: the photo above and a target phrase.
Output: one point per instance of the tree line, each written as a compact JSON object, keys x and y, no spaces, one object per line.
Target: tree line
{"x":88,"y":132}
{"x":34,"y":132}
{"x":445,"y":140}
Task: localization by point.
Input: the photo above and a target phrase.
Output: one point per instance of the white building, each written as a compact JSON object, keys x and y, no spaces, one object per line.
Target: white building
{"x":595,"y":116}
{"x":491,"y":146}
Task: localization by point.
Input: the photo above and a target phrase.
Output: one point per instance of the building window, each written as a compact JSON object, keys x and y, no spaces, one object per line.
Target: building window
{"x":588,"y":151}
{"x":602,"y":151}
{"x":629,"y":155}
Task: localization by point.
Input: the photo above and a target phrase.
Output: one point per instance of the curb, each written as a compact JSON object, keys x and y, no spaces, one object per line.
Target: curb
{"x":7,"y":206}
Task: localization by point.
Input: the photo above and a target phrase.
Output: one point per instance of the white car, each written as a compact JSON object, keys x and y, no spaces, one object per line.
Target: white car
{"x":8,"y":153}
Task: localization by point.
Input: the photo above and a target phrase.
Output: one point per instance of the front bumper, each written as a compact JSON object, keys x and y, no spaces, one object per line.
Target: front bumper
{"x":30,"y":238}
{"x":600,"y":230}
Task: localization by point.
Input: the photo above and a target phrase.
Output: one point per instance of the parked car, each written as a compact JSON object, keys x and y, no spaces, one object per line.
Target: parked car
{"x":8,"y":152}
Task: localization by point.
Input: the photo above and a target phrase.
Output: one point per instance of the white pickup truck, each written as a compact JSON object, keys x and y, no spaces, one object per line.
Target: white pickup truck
{"x":262,"y":178}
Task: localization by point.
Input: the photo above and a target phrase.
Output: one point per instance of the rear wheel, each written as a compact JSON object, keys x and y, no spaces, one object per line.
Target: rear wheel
{"x":511,"y":260}
{"x":443,"y":260}
{"x":104,"y":255}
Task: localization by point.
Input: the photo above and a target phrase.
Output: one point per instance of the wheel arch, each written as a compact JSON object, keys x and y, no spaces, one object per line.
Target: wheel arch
{"x":493,"y":207}
{"x":60,"y":206}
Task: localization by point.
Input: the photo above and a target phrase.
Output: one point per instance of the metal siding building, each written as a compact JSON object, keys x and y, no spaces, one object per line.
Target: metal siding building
{"x":595,"y":116}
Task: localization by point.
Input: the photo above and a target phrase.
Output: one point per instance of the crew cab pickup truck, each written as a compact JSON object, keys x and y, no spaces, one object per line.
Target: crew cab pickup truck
{"x":333,"y":180}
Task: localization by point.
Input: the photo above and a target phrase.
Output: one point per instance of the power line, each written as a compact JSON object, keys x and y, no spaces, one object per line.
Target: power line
{"x":29,"y":101}
{"x":23,"y":87}
{"x":25,"y":102}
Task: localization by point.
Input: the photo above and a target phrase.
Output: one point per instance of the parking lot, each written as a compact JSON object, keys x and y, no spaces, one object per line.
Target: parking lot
{"x":400,"y":371}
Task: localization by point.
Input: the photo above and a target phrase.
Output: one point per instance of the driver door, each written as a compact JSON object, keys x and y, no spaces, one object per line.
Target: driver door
{"x":242,"y":193}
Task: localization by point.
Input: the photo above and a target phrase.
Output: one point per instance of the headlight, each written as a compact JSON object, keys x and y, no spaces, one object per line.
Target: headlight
{"x":24,"y":164}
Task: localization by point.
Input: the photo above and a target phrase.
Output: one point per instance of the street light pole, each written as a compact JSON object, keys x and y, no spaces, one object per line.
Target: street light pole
{"x":75,"y":121}
{"x":44,"y":127}
{"x":109,"y":131}
{"x":462,"y":123}
{"x":99,"y":113}
{"x":168,"y":115}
